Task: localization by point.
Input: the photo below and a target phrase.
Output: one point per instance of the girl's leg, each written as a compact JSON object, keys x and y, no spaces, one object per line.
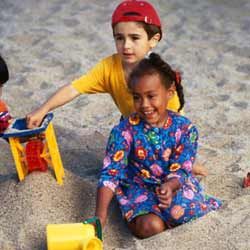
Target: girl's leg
{"x":145,"y":226}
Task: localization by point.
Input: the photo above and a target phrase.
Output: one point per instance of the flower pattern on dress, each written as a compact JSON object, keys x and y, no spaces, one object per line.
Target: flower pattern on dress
{"x":141,"y":153}
{"x":140,"y":157}
{"x":134,"y":119}
{"x":118,"y":155}
{"x":156,"y":170}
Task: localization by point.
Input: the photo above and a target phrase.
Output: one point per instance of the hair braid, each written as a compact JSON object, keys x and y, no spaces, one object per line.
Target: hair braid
{"x":179,"y":89}
{"x":169,"y":76}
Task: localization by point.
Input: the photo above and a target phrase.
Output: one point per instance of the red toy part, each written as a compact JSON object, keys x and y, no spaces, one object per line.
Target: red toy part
{"x":246,"y":181}
{"x":33,"y":150}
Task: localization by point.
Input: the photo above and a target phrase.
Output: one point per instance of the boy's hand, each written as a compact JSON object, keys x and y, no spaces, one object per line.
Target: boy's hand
{"x":35,"y":118}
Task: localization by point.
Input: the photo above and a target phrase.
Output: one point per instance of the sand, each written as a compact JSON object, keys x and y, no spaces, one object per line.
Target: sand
{"x":50,"y":43}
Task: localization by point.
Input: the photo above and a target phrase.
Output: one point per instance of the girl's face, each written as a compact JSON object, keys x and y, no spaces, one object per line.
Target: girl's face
{"x":151,"y":98}
{"x":132,"y":42}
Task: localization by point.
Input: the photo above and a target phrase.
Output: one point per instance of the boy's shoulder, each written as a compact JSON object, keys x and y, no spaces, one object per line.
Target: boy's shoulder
{"x":109,"y":64}
{"x":114,"y":58}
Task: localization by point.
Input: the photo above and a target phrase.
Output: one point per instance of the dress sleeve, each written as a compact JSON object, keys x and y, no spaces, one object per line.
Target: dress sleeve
{"x":184,"y":153}
{"x":116,"y":159}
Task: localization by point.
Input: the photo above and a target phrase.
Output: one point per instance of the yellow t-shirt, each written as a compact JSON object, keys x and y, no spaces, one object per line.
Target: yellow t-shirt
{"x":107,"y":76}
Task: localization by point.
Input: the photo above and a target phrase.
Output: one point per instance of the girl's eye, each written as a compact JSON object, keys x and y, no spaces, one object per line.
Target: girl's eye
{"x":151,"y":96}
{"x":135,"y":97}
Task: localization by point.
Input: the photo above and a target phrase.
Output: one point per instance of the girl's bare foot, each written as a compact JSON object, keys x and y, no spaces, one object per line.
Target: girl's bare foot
{"x":199,"y":169}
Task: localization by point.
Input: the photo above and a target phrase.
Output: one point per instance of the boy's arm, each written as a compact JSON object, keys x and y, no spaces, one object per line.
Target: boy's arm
{"x":62,"y":96}
{"x":103,"y":199}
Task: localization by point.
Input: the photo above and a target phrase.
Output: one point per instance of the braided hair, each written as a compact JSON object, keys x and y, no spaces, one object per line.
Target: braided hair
{"x":4,"y":73}
{"x":154,"y":64}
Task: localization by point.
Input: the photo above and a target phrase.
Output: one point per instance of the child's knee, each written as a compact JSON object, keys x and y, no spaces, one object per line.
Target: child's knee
{"x":148,"y":225}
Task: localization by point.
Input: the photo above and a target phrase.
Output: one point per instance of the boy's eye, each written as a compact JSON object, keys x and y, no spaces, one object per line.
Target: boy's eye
{"x":135,"y":37}
{"x":118,"y":38}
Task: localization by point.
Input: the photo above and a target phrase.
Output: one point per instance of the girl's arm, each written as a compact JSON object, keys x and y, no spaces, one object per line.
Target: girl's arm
{"x":181,"y":162}
{"x":62,"y":96}
{"x":103,"y":199}
{"x":184,"y":153}
{"x":113,"y":171}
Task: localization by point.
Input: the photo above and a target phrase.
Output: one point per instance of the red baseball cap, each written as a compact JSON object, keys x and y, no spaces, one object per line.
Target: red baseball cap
{"x":135,"y":11}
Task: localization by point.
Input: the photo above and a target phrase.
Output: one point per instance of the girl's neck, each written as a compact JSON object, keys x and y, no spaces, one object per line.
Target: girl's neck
{"x":162,"y":123}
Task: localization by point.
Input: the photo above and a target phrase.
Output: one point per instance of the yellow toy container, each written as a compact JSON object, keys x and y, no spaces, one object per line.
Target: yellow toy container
{"x":18,"y":135}
{"x":77,"y":236}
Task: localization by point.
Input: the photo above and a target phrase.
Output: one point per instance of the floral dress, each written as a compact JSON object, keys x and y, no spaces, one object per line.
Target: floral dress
{"x":140,"y":157}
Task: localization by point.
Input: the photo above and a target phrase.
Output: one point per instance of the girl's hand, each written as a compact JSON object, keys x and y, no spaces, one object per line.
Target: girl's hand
{"x":165,"y":195}
{"x":103,"y":219}
{"x":103,"y":199}
{"x":167,"y":191}
{"x":102,"y":215}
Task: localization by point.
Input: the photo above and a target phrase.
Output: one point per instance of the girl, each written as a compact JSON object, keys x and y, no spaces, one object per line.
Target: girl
{"x":136,"y":30}
{"x":4,"y":113}
{"x":149,"y":158}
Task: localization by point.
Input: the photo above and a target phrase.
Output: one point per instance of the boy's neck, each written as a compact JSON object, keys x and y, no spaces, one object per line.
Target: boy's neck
{"x":127,"y":70}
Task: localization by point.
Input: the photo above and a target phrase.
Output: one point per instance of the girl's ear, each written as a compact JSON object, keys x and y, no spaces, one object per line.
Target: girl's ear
{"x":154,"y":40}
{"x":171,"y":91}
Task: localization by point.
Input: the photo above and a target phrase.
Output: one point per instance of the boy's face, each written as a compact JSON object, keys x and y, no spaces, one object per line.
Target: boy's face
{"x":132,"y":42}
{"x":151,"y":98}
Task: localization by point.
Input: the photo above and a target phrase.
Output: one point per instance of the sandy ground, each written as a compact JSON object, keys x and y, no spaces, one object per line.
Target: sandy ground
{"x":50,"y":43}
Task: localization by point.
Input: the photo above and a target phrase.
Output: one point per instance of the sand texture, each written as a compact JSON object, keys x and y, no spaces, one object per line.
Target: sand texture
{"x":50,"y":43}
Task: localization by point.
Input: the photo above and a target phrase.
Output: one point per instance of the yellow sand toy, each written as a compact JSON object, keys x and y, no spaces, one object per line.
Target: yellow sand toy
{"x":38,"y":150}
{"x":77,"y":236}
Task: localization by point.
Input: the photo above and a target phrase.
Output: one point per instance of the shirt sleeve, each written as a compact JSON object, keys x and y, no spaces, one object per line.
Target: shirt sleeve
{"x":174,"y":104}
{"x":184,"y":153}
{"x":95,"y":80}
{"x":116,"y":160}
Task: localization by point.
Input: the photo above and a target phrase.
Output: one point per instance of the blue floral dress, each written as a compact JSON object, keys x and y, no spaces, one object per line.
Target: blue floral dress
{"x":140,"y":157}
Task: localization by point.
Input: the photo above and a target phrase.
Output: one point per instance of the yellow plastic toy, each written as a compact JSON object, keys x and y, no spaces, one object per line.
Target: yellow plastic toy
{"x":77,"y":236}
{"x":49,"y":154}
